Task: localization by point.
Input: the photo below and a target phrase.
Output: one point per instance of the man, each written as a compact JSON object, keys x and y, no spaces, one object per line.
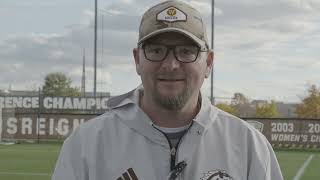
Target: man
{"x":165,"y":129}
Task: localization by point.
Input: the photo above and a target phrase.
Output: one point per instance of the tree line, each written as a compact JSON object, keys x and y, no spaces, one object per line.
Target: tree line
{"x":241,"y":106}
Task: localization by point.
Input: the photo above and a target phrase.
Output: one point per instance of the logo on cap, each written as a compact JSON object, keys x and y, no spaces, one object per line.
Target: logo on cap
{"x":172,"y":14}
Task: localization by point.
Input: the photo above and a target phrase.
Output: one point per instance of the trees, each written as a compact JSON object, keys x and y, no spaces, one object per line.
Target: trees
{"x":267,"y":110}
{"x":310,"y":105}
{"x":239,"y":99}
{"x":241,"y":104}
{"x":227,"y":108}
{"x":58,"y":84}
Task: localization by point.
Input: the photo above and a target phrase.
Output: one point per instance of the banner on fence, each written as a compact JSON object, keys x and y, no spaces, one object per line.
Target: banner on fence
{"x":295,"y":133}
{"x":42,"y":117}
{"x":40,"y":126}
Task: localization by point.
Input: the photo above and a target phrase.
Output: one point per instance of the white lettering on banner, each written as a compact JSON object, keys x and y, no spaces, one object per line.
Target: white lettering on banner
{"x":304,"y":138}
{"x":57,"y":103}
{"x":77,"y":123}
{"x":79,"y":103}
{"x":8,"y":103}
{"x":2,"y":102}
{"x":54,"y":102}
{"x":26,"y":124}
{"x":315,"y":139}
{"x":41,"y":126}
{"x":90,"y":103}
{"x":51,"y":121}
{"x":35,"y":102}
{"x":314,"y":128}
{"x":12,"y":126}
{"x":47,"y":103}
{"x":282,"y":127}
{"x":67,"y":104}
{"x":27,"y":102}
{"x":289,"y":137}
{"x":17,"y":102}
{"x":63,"y":127}
{"x":104,"y":103}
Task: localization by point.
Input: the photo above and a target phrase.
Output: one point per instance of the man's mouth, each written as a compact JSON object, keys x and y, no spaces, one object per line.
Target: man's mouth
{"x":170,"y":80}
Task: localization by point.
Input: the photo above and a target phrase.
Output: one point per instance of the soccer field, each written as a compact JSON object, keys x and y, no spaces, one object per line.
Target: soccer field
{"x":37,"y":161}
{"x":28,"y":161}
{"x":299,"y":165}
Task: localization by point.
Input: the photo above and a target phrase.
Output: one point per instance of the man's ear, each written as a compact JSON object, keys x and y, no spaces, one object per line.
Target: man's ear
{"x":136,"y":59}
{"x":209,"y":61}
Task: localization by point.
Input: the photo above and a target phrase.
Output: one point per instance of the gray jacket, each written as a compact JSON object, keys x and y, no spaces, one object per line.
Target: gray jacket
{"x":122,"y":144}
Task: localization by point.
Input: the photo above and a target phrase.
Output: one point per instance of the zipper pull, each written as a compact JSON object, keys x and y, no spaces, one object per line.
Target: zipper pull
{"x":173,"y":151}
{"x":177,"y":170}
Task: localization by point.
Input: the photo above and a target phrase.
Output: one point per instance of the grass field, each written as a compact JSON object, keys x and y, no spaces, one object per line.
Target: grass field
{"x":36,"y":162}
{"x":291,"y":161}
{"x":28,"y":161}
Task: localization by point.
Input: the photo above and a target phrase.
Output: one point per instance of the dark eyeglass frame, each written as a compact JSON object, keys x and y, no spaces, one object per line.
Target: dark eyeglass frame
{"x":171,"y":47}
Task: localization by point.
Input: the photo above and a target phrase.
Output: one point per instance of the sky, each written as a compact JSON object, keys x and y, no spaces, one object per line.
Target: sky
{"x":264,"y":49}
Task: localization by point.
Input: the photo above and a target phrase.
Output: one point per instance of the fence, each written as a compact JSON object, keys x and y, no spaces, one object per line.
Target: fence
{"x":289,"y":132}
{"x":45,"y":118}
{"x":54,"y":118}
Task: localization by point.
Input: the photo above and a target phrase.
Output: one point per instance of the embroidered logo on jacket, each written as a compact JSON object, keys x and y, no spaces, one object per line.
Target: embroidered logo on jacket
{"x":128,"y":175}
{"x":216,"y":175}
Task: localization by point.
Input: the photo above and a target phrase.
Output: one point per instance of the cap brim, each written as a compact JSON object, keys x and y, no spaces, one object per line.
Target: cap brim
{"x":202,"y":44}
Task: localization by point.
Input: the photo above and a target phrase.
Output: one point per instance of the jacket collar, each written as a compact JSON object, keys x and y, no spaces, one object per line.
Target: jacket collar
{"x":137,"y":119}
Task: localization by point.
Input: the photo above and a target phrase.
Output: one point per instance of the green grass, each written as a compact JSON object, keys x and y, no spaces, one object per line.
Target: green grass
{"x":37,"y":161}
{"x":28,"y":161}
{"x":313,"y":170}
{"x":291,"y":161}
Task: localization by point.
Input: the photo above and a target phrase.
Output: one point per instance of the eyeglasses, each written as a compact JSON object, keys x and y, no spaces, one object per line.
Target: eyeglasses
{"x":183,"y":53}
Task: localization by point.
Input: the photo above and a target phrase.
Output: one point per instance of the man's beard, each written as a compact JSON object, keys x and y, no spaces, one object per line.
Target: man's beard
{"x":173,"y":102}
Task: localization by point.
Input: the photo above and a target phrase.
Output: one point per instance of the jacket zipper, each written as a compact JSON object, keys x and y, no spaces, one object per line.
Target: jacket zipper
{"x":173,"y":150}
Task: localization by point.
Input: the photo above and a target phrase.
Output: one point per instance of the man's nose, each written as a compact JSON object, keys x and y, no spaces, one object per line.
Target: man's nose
{"x":170,"y":62}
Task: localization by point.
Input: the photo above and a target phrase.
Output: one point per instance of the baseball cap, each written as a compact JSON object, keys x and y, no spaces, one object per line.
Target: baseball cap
{"x":173,"y":16}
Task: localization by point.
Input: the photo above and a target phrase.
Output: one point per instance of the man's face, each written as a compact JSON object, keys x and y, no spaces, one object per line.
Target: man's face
{"x":170,"y":83}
